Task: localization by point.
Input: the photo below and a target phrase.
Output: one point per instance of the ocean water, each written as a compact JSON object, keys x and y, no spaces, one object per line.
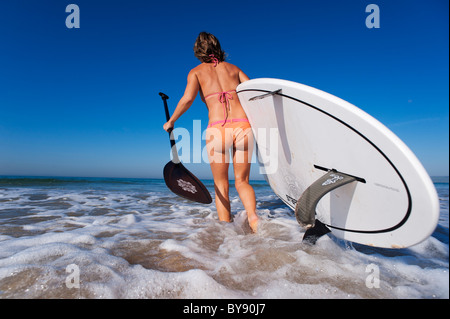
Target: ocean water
{"x":133,"y":238}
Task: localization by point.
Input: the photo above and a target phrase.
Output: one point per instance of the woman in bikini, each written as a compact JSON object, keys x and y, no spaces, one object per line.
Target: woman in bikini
{"x":228,"y":127}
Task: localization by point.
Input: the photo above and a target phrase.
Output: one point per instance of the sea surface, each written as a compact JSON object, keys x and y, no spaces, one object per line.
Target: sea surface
{"x":133,"y":238}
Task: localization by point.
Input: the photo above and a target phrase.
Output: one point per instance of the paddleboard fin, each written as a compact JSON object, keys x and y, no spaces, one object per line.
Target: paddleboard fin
{"x":258,"y":97}
{"x":314,"y":233}
{"x":305,"y":209}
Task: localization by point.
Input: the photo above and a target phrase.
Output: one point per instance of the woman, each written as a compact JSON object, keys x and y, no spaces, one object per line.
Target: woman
{"x":228,"y":126}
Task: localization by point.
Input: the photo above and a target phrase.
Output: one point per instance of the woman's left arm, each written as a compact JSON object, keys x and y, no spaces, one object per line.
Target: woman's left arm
{"x":186,"y":101}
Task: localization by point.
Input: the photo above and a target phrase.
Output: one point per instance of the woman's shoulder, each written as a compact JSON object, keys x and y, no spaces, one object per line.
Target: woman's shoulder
{"x":199,"y":69}
{"x":202,"y":66}
{"x":196,"y":70}
{"x":205,"y":68}
{"x":230,"y":65}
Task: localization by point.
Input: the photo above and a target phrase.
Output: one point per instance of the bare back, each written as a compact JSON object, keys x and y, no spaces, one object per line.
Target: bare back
{"x":220,"y":78}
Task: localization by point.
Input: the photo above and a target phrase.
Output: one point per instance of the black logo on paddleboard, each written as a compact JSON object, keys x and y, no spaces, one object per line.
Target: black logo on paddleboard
{"x":291,"y":200}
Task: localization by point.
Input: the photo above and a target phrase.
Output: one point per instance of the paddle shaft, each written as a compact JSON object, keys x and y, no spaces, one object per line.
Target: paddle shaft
{"x":171,"y":138}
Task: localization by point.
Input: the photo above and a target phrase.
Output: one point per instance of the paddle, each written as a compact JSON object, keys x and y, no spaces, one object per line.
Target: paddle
{"x":178,"y":179}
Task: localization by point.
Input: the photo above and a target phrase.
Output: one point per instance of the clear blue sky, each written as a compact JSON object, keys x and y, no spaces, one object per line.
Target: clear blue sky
{"x":84,"y":102}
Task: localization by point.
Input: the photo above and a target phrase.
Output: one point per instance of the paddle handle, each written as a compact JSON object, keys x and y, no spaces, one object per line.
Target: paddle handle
{"x":165,"y":98}
{"x":172,"y":140}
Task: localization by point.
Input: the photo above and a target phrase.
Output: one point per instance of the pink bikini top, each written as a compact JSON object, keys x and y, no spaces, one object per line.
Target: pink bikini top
{"x":224,"y":98}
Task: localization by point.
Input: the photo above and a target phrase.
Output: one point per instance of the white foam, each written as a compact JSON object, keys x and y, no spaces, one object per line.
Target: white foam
{"x":129,"y":246}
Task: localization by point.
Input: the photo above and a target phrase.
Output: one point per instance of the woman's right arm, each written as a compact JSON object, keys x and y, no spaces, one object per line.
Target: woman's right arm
{"x":186,"y":101}
{"x":242,"y":76}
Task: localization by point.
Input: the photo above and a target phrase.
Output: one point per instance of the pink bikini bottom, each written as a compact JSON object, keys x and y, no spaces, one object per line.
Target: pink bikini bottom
{"x":233,"y":134}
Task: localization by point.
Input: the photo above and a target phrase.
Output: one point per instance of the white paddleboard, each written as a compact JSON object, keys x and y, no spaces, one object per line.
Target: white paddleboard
{"x":301,"y":132}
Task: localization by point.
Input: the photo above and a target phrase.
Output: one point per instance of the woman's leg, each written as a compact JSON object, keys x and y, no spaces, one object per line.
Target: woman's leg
{"x":221,"y":187}
{"x":242,"y":155}
{"x":246,"y":193}
{"x":219,"y":160}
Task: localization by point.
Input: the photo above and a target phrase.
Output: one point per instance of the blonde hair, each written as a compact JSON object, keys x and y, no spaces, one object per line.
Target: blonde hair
{"x":207,"y":44}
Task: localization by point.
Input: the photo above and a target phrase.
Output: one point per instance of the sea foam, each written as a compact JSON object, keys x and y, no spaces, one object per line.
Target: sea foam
{"x":137,"y":240}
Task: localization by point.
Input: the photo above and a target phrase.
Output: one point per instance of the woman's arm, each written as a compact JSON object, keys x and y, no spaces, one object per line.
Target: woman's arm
{"x":186,"y":101}
{"x":242,"y":76}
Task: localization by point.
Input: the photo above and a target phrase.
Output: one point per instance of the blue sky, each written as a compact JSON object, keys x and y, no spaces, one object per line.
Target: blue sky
{"x":84,"y":102}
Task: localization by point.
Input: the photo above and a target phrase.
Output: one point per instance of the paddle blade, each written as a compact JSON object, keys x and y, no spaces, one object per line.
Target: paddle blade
{"x":183,"y":183}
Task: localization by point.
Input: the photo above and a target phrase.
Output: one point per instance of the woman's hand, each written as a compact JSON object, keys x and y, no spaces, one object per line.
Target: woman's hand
{"x":169,"y":125}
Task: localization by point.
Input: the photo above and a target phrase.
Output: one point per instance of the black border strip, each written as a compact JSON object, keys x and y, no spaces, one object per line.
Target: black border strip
{"x":408,"y":211}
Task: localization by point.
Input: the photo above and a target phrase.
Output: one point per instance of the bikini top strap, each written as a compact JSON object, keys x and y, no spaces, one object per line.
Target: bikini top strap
{"x":227,"y":93}
{"x":215,"y":60}
{"x":224,"y":99}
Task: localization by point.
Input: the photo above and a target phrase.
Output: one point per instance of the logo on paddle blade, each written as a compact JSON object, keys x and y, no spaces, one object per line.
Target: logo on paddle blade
{"x":186,"y":186}
{"x":334,"y":178}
